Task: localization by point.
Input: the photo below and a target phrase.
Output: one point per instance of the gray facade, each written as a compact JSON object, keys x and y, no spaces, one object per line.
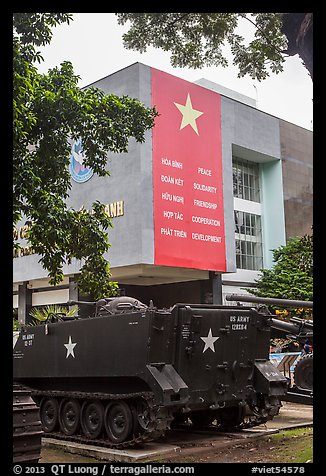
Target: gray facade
{"x":297,"y":171}
{"x":131,"y":177}
{"x":253,"y":135}
{"x":247,"y":133}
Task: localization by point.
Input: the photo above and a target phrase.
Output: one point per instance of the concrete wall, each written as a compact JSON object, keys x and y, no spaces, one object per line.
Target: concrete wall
{"x":253,"y":135}
{"x":130,"y":181}
{"x":297,"y":171}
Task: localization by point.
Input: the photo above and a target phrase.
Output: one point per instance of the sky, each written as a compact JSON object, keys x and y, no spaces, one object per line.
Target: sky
{"x":93,"y":43}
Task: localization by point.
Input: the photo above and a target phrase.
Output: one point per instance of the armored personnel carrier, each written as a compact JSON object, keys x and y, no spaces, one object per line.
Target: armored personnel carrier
{"x":129,"y":371}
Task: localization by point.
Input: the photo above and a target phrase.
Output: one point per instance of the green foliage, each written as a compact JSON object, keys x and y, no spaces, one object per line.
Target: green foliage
{"x":291,"y":277}
{"x":16,"y":325}
{"x":50,"y":110}
{"x":295,"y":444}
{"x":40,"y":314}
{"x":197,"y":39}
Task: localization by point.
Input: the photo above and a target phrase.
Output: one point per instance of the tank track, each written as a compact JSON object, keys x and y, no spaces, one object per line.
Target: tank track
{"x":27,"y":431}
{"x":253,"y":421}
{"x":262,"y":415}
{"x":156,"y":427}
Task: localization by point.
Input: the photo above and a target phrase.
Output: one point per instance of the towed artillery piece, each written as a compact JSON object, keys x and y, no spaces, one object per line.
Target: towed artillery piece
{"x":297,"y":329}
{"x":128,"y":372}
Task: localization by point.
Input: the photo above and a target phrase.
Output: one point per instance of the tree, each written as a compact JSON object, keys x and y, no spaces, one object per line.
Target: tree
{"x":50,"y":111}
{"x":298,"y":29}
{"x":196,"y":39}
{"x":291,"y":277}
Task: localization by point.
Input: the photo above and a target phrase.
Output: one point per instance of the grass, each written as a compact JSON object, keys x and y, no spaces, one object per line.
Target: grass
{"x":287,"y":446}
{"x":293,"y":445}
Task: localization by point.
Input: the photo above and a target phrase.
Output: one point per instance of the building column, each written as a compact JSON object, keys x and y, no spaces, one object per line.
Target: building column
{"x":73,"y":289}
{"x":216,"y":285}
{"x":24,"y":303}
{"x":75,"y":295}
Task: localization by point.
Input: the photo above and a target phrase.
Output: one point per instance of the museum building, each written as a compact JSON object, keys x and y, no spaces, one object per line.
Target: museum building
{"x":197,"y":208}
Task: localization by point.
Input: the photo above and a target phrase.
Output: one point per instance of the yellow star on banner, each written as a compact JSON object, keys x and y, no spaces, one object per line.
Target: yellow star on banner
{"x":189,"y":115}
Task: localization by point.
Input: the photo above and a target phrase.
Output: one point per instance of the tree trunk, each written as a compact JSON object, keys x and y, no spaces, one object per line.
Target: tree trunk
{"x":298,"y":29}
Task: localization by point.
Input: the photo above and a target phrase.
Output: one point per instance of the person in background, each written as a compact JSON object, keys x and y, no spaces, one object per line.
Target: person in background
{"x":307,"y":347}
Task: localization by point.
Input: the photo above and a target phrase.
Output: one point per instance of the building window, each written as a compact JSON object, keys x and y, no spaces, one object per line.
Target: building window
{"x":248,"y":240}
{"x":246,"y":180}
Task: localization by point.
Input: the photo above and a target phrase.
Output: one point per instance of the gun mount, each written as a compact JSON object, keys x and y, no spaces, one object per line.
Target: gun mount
{"x":114,"y":305}
{"x":296,"y":328}
{"x":270,"y":301}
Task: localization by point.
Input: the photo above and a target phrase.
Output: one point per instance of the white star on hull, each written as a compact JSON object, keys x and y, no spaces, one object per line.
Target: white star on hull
{"x":209,"y":341}
{"x":70,"y":348}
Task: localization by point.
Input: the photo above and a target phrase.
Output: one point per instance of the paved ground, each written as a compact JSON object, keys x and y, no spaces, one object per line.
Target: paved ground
{"x":176,"y":441}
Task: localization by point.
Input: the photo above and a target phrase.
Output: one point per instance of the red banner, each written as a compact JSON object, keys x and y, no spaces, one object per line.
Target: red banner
{"x":187,"y":175}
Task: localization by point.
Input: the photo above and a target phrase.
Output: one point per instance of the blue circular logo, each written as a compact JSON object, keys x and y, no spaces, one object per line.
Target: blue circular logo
{"x":79,"y":172}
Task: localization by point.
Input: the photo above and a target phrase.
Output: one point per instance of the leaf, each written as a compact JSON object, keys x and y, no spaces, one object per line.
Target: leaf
{"x":50,"y":110}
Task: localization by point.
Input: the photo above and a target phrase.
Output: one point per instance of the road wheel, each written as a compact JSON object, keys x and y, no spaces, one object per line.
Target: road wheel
{"x":303,"y":373}
{"x":118,"y":421}
{"x":92,"y":419}
{"x":69,"y":416}
{"x":49,"y":413}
